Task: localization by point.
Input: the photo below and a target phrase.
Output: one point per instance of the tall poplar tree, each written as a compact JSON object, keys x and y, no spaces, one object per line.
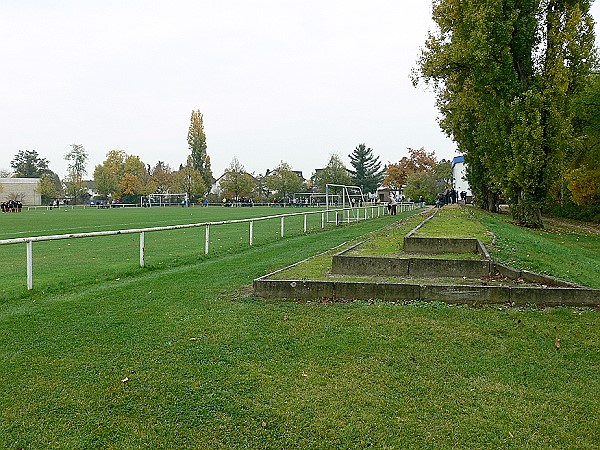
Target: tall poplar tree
{"x":197,"y":144}
{"x":504,"y":71}
{"x":367,"y":168}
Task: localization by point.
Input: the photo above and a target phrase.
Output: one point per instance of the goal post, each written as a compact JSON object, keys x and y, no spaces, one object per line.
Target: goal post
{"x":345,"y":197}
{"x":173,"y":199}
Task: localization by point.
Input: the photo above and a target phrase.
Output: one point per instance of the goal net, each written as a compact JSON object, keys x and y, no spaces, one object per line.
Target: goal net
{"x":344,"y":197}
{"x":163,"y":199}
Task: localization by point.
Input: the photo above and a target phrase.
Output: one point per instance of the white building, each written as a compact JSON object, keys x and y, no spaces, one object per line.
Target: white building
{"x":25,"y":190}
{"x":459,"y":172}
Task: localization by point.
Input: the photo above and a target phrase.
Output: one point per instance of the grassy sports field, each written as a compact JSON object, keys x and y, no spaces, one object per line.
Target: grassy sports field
{"x":60,"y":265}
{"x":182,"y":356}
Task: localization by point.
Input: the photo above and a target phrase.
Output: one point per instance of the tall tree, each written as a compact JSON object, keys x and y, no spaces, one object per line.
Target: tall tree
{"x":122,"y":176}
{"x":430,"y":183}
{"x":109,"y":174}
{"x":504,"y":71}
{"x":335,"y":172}
{"x":197,"y":144}
{"x":367,"y":168}
{"x":417,"y":161}
{"x":284,"y":181}
{"x":136,"y":180}
{"x":107,"y":183}
{"x":48,"y":189}
{"x":236,"y":182}
{"x":163,"y":177}
{"x":77,"y":158}
{"x":189,"y":180}
{"x":583,"y":172}
{"x":28,"y":164}
{"x":261,"y":191}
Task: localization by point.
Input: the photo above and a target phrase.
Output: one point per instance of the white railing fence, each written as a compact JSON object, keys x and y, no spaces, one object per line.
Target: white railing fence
{"x":345,"y":215}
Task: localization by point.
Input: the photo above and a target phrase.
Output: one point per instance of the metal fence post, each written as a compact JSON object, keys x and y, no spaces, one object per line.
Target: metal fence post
{"x":251,"y":232}
{"x":29,"y":265}
{"x":207,"y":239}
{"x":142,"y":248}
{"x":305,"y":223}
{"x":282,"y":226}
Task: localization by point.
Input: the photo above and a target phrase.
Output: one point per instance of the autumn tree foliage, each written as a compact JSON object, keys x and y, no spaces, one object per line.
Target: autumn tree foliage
{"x":417,"y":161}
{"x":124,"y":177}
{"x":504,"y":72}
{"x":582,"y":174}
{"x":162,"y":176}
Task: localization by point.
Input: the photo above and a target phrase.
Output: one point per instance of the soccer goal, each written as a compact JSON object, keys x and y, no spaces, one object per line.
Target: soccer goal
{"x":163,"y":199}
{"x":345,"y":197}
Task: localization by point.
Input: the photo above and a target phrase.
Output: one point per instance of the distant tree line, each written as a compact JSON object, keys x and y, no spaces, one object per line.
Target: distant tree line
{"x":127,"y":178}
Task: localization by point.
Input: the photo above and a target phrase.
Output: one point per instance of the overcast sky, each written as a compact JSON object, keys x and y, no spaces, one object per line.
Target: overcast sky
{"x":275,"y":79}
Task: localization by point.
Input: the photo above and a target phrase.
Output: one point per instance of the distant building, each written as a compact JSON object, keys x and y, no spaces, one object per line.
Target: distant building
{"x":23,"y":189}
{"x":459,"y":173}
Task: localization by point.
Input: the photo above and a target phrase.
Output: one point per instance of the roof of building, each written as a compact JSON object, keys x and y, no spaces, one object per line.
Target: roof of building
{"x":19,"y":180}
{"x":458,"y":160}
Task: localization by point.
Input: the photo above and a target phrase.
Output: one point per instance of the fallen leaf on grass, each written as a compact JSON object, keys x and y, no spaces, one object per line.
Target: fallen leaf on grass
{"x":263,"y":423}
{"x":557,"y":343}
{"x":125,"y":380}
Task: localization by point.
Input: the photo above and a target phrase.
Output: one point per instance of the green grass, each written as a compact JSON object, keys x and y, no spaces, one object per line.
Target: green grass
{"x":390,"y":240}
{"x":564,"y":252}
{"x":186,"y":357}
{"x":68,"y":264}
{"x":455,"y":222}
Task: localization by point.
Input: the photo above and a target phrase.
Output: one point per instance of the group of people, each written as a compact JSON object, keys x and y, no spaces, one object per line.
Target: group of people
{"x":450,"y":197}
{"x":11,"y":206}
